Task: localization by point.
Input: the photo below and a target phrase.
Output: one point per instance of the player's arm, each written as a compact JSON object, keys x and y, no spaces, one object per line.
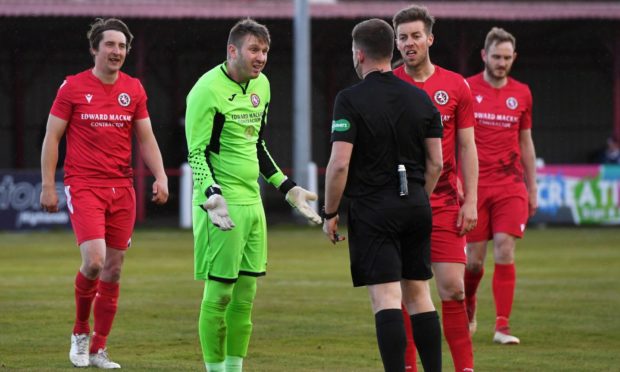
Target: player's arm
{"x":203,"y":126}
{"x":152,"y":157}
{"x":528,"y":160}
{"x":296,"y":196}
{"x":49,"y":160}
{"x":267,"y":166}
{"x":432,"y":150}
{"x":468,"y":157}
{"x":201,"y":117}
{"x":434,"y":163}
{"x":343,"y":135}
{"x":335,"y":181}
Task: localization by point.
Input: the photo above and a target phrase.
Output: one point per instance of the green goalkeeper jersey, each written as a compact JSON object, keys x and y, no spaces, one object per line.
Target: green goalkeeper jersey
{"x":224,"y":125}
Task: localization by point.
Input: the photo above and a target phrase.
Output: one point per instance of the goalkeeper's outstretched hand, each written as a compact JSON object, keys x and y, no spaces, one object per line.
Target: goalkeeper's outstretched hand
{"x":218,"y":212}
{"x":298,"y":198}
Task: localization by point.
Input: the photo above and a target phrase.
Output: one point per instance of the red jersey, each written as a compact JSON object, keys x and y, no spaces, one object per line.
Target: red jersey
{"x":100,"y":122}
{"x":500,"y":115}
{"x":452,"y":97}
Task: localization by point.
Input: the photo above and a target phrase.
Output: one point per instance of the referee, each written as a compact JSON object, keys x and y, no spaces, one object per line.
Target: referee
{"x":386,"y":158}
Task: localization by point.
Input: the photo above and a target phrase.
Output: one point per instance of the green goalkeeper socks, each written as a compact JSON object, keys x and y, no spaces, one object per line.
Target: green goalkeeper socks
{"x":239,"y":316}
{"x":225,"y":324}
{"x":211,"y":323}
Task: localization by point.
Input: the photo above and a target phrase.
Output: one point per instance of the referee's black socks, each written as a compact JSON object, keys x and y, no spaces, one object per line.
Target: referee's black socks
{"x":427,"y":336}
{"x":391,"y":338}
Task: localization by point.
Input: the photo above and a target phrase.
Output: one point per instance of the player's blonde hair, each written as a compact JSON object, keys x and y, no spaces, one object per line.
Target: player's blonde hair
{"x":499,"y":35}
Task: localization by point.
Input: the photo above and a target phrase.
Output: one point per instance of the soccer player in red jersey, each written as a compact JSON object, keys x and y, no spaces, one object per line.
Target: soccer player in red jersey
{"x":507,"y":188}
{"x":99,"y":109}
{"x":451,"y":221}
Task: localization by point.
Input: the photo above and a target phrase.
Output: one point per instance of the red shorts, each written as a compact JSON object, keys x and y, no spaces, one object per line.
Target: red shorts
{"x":102,"y":213}
{"x":446,"y":244}
{"x":501,"y":209}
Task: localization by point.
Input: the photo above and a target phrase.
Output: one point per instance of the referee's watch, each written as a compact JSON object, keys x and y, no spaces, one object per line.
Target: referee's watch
{"x":328,"y":216}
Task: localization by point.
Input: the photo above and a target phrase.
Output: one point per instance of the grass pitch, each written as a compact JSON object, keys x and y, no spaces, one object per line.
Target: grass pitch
{"x":307,"y":317}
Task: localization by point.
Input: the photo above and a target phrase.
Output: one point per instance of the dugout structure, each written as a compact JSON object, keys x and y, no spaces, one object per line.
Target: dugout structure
{"x":568,"y":52}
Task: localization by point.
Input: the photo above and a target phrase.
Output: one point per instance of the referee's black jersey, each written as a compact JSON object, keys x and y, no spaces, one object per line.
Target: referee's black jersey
{"x":387,"y":121}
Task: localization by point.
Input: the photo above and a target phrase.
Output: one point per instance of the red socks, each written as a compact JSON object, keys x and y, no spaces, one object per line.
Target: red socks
{"x":472,"y":280}
{"x":85,"y":290}
{"x":410,"y":355}
{"x":504,"y":279}
{"x":105,"y":307}
{"x":456,"y":332}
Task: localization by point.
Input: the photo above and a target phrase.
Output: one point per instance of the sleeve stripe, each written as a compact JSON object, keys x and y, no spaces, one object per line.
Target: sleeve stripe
{"x":266,"y":164}
{"x":216,"y":133}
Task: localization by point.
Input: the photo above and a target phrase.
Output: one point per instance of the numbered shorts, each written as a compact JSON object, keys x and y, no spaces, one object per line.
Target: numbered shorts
{"x":446,"y":244}
{"x":102,"y":213}
{"x":501,"y":209}
{"x":389,"y":237}
{"x":224,"y":255}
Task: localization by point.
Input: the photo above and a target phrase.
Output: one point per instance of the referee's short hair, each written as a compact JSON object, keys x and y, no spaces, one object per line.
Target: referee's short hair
{"x":375,"y":37}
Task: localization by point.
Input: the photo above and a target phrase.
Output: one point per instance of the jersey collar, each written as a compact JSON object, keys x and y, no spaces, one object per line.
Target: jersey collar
{"x":225,"y":72}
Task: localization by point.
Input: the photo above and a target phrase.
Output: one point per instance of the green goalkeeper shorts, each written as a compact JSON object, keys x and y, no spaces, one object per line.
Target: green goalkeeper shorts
{"x":224,"y":255}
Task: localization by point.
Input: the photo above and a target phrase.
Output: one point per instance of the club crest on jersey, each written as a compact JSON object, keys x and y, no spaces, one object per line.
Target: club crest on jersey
{"x":124,"y":99}
{"x":255,"y":99}
{"x":512,"y":103}
{"x":441,"y":97}
{"x":249,"y":132}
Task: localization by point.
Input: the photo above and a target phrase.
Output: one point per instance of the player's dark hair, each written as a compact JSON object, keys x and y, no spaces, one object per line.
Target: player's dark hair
{"x":375,"y":37}
{"x":498,"y":35}
{"x":95,"y":34}
{"x":412,"y":14}
{"x":245,"y":27}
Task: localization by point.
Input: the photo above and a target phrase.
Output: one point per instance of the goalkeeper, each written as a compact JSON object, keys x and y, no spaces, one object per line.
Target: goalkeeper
{"x":225,"y":124}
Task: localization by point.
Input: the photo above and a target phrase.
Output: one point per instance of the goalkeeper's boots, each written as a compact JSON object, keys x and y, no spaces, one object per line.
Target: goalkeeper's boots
{"x":79,"y":350}
{"x":102,"y":360}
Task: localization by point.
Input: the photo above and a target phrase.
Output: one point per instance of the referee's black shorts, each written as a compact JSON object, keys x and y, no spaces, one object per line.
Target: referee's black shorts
{"x":390,"y":237}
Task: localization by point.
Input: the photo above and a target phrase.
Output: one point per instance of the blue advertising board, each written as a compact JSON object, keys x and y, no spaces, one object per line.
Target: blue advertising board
{"x":20,"y":208}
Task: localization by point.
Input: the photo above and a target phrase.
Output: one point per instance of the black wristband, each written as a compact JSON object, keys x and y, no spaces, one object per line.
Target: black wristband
{"x":328,"y":216}
{"x":213,"y":190}
{"x":286,"y":186}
